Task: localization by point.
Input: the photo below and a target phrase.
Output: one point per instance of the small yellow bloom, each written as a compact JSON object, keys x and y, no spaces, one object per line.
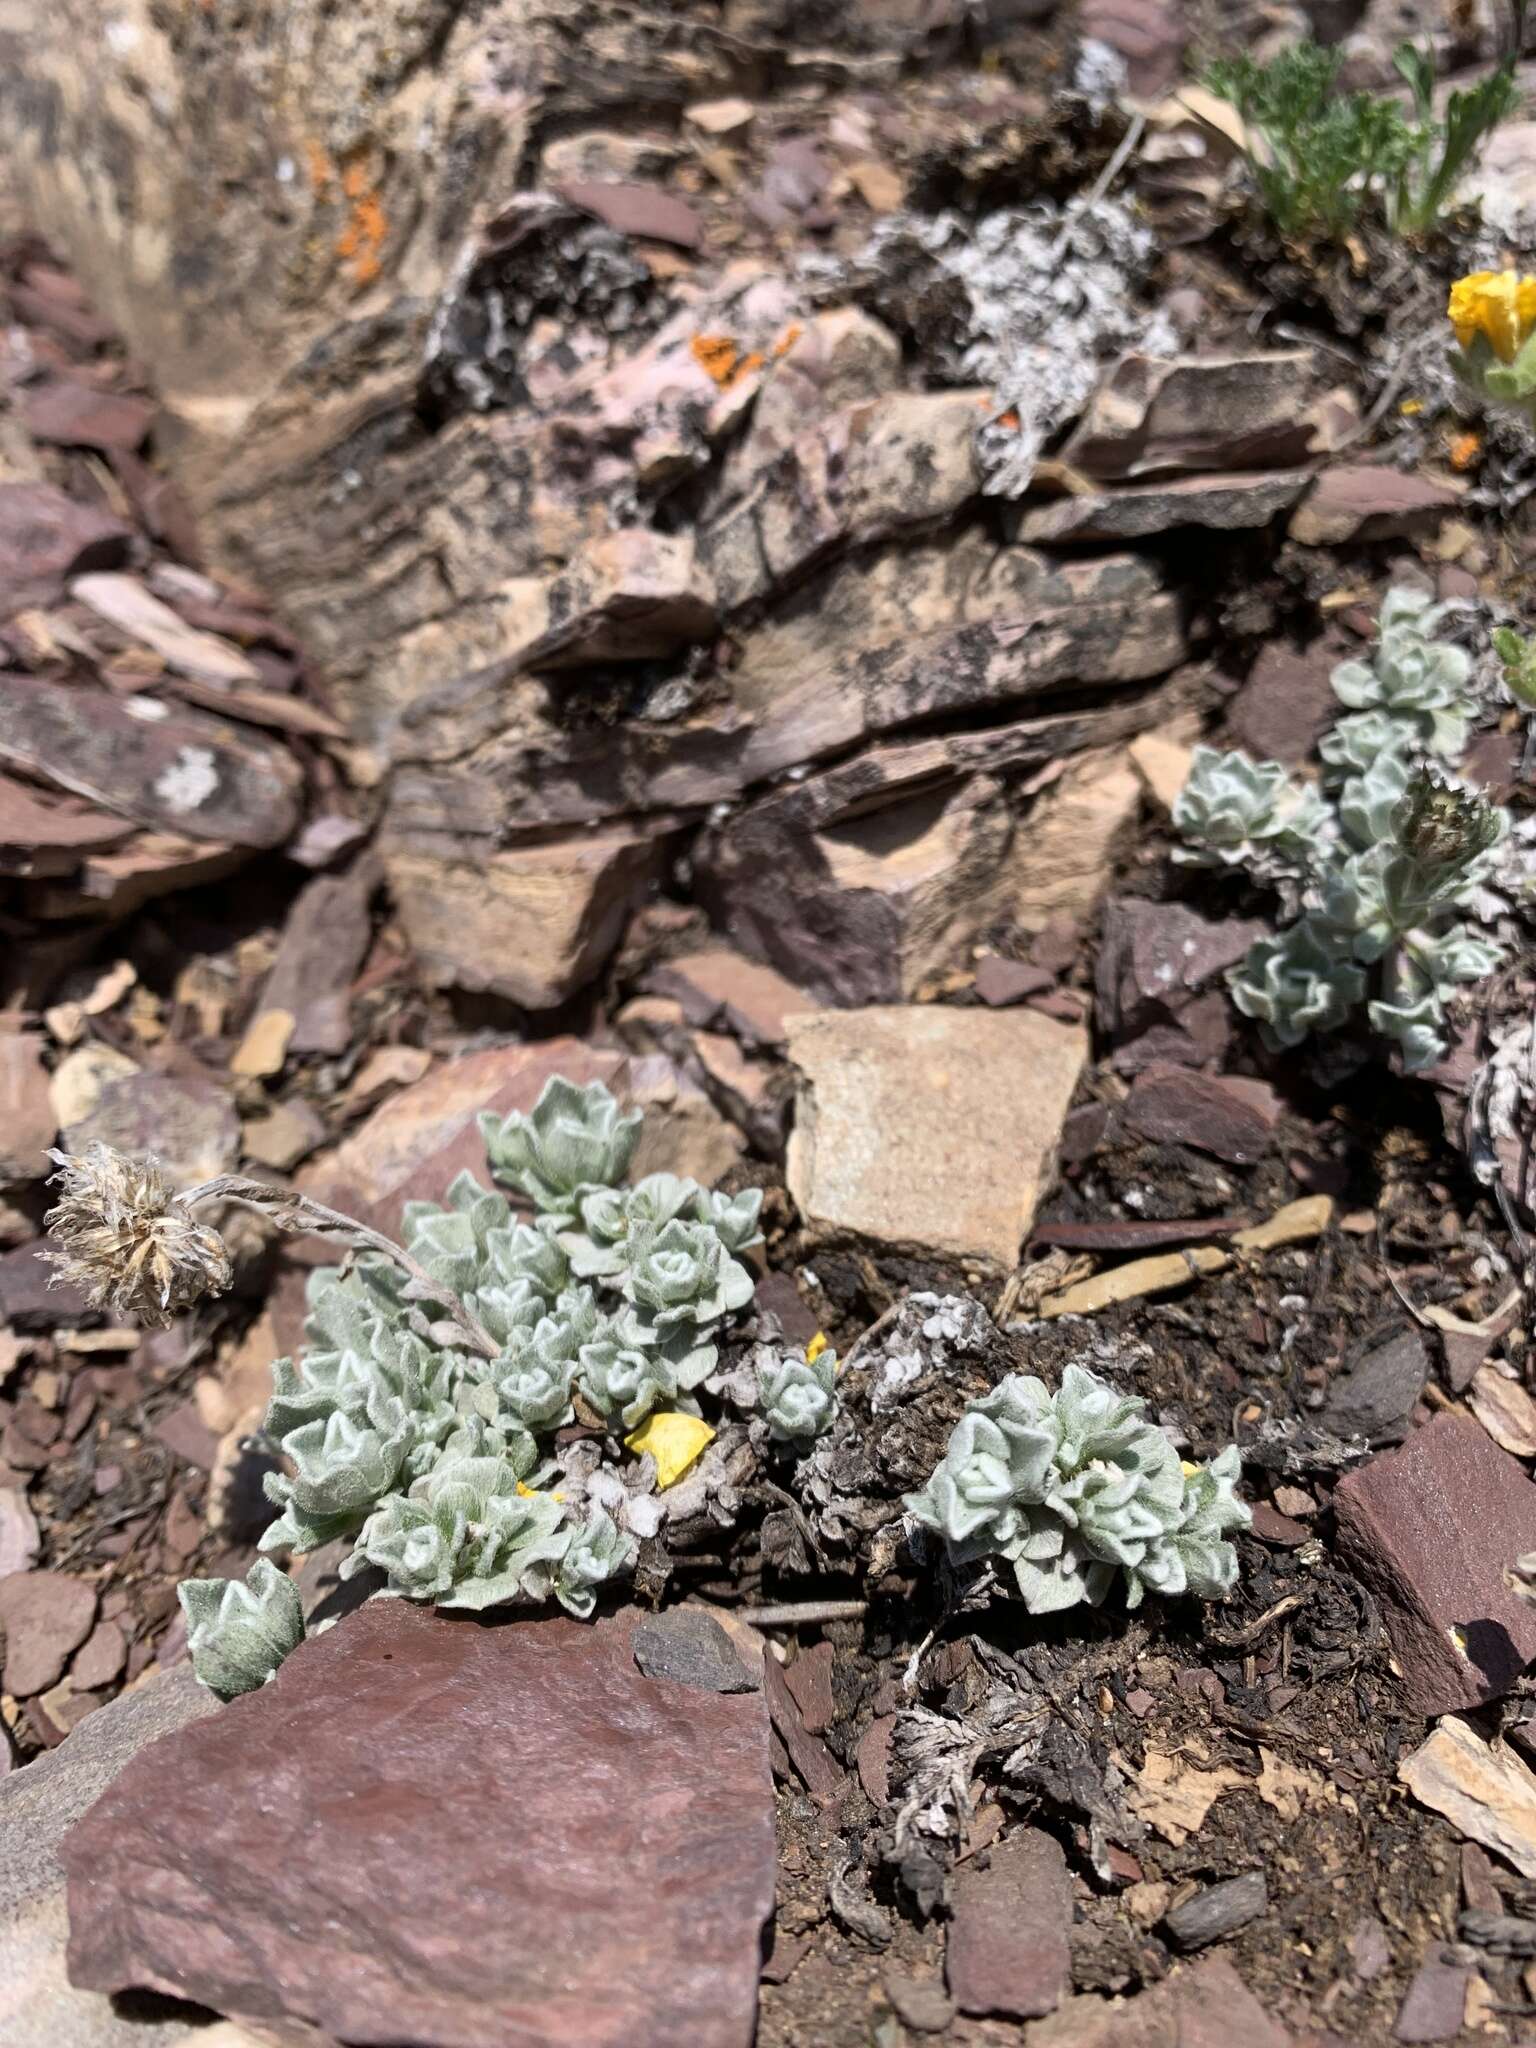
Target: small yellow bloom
{"x":674,"y":1440}
{"x":815,"y":1348}
{"x":1500,"y":304}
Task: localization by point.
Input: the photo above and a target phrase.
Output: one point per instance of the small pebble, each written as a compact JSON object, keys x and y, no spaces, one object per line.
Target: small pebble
{"x":1219,"y":1910}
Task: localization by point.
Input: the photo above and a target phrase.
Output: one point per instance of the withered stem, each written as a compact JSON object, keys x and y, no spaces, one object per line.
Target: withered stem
{"x":290,"y":1210}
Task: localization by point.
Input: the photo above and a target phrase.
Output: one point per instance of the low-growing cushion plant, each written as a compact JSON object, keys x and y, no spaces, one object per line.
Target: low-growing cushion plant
{"x":418,"y":1422}
{"x":1073,"y":1488}
{"x":1377,"y":874}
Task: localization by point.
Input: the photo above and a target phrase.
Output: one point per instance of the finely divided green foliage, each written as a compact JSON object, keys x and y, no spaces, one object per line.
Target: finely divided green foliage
{"x":1323,"y":160}
{"x":1517,"y":654}
{"x":1385,"y":868}
{"x":1071,"y":1488}
{"x":431,"y":1458}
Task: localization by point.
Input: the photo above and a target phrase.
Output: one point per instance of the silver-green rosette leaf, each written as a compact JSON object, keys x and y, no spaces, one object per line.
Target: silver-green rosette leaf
{"x":798,"y":1396}
{"x":573,"y":1139}
{"x":239,"y":1632}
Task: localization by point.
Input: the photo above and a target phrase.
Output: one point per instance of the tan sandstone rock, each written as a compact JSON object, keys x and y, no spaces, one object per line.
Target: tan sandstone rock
{"x":930,"y":1128}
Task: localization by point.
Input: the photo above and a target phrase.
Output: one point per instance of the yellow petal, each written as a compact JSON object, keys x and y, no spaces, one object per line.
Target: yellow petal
{"x":1500,"y":304}
{"x":673,"y":1440}
{"x":815,"y":1348}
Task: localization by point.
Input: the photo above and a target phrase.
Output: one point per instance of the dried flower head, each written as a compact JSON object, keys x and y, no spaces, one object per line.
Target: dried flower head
{"x":129,"y":1240}
{"x":1442,"y":826}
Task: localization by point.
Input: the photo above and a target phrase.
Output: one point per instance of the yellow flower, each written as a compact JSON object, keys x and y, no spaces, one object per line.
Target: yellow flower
{"x":815,"y":1348}
{"x":1500,"y":304}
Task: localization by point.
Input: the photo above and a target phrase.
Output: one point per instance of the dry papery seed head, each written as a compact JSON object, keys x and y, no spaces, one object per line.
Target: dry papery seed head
{"x":128,"y":1240}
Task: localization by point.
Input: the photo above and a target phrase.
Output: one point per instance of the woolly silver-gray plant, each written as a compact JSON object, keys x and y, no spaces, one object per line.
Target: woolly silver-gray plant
{"x":1394,"y":859}
{"x":1237,"y":812}
{"x":238,"y":1632}
{"x":798,"y":1394}
{"x":1071,"y":1488}
{"x":437,"y":1372}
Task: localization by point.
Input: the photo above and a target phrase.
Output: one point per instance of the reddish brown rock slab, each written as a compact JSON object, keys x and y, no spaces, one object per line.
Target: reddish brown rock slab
{"x":74,"y":415}
{"x":1149,"y":34}
{"x":1287,"y":703}
{"x":1434,"y":2006}
{"x":411,"y":1148}
{"x":100,"y":1657}
{"x":809,"y":1679}
{"x":319,"y":954}
{"x":1174,"y":1105}
{"x":643,"y":210}
{"x":28,"y":1302}
{"x":1365,"y":501}
{"x":44,"y":1618}
{"x":814,"y":1764}
{"x":1155,"y":414}
{"x":1205,"y":2006}
{"x":45,"y":538}
{"x":1009,"y":1952}
{"x":719,"y":989}
{"x":1000,"y":983}
{"x":1431,"y":1529}
{"x":598,"y":1845}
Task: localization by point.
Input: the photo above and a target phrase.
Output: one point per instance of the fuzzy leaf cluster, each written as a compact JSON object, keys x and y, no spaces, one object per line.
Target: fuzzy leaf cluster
{"x":798,"y":1395}
{"x":1237,"y":812}
{"x":1074,"y":1487}
{"x":239,"y":1631}
{"x":1390,"y":856}
{"x":396,"y":1432}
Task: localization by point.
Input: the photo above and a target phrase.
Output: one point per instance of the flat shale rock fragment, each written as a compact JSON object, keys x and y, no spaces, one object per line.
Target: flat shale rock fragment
{"x":1008,"y":1941}
{"x":929,"y":1127}
{"x":1205,"y":2006}
{"x":440,"y":1833}
{"x":1431,"y":1529}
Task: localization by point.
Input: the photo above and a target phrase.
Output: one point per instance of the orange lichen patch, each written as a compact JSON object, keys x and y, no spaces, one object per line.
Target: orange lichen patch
{"x":320,"y":168}
{"x":716,"y":355}
{"x":363,"y":236}
{"x":747,"y":366}
{"x":1009,"y":419}
{"x":1465,"y":450}
{"x":787,"y":339}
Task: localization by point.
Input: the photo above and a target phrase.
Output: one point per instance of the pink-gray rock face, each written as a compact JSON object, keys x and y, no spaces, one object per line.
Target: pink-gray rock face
{"x":1368,"y":501}
{"x":1431,"y":1529}
{"x":1155,"y":414}
{"x":434,"y":1832}
{"x":1222,"y":502}
{"x":176,"y":770}
{"x":1008,"y":1942}
{"x":45,"y":538}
